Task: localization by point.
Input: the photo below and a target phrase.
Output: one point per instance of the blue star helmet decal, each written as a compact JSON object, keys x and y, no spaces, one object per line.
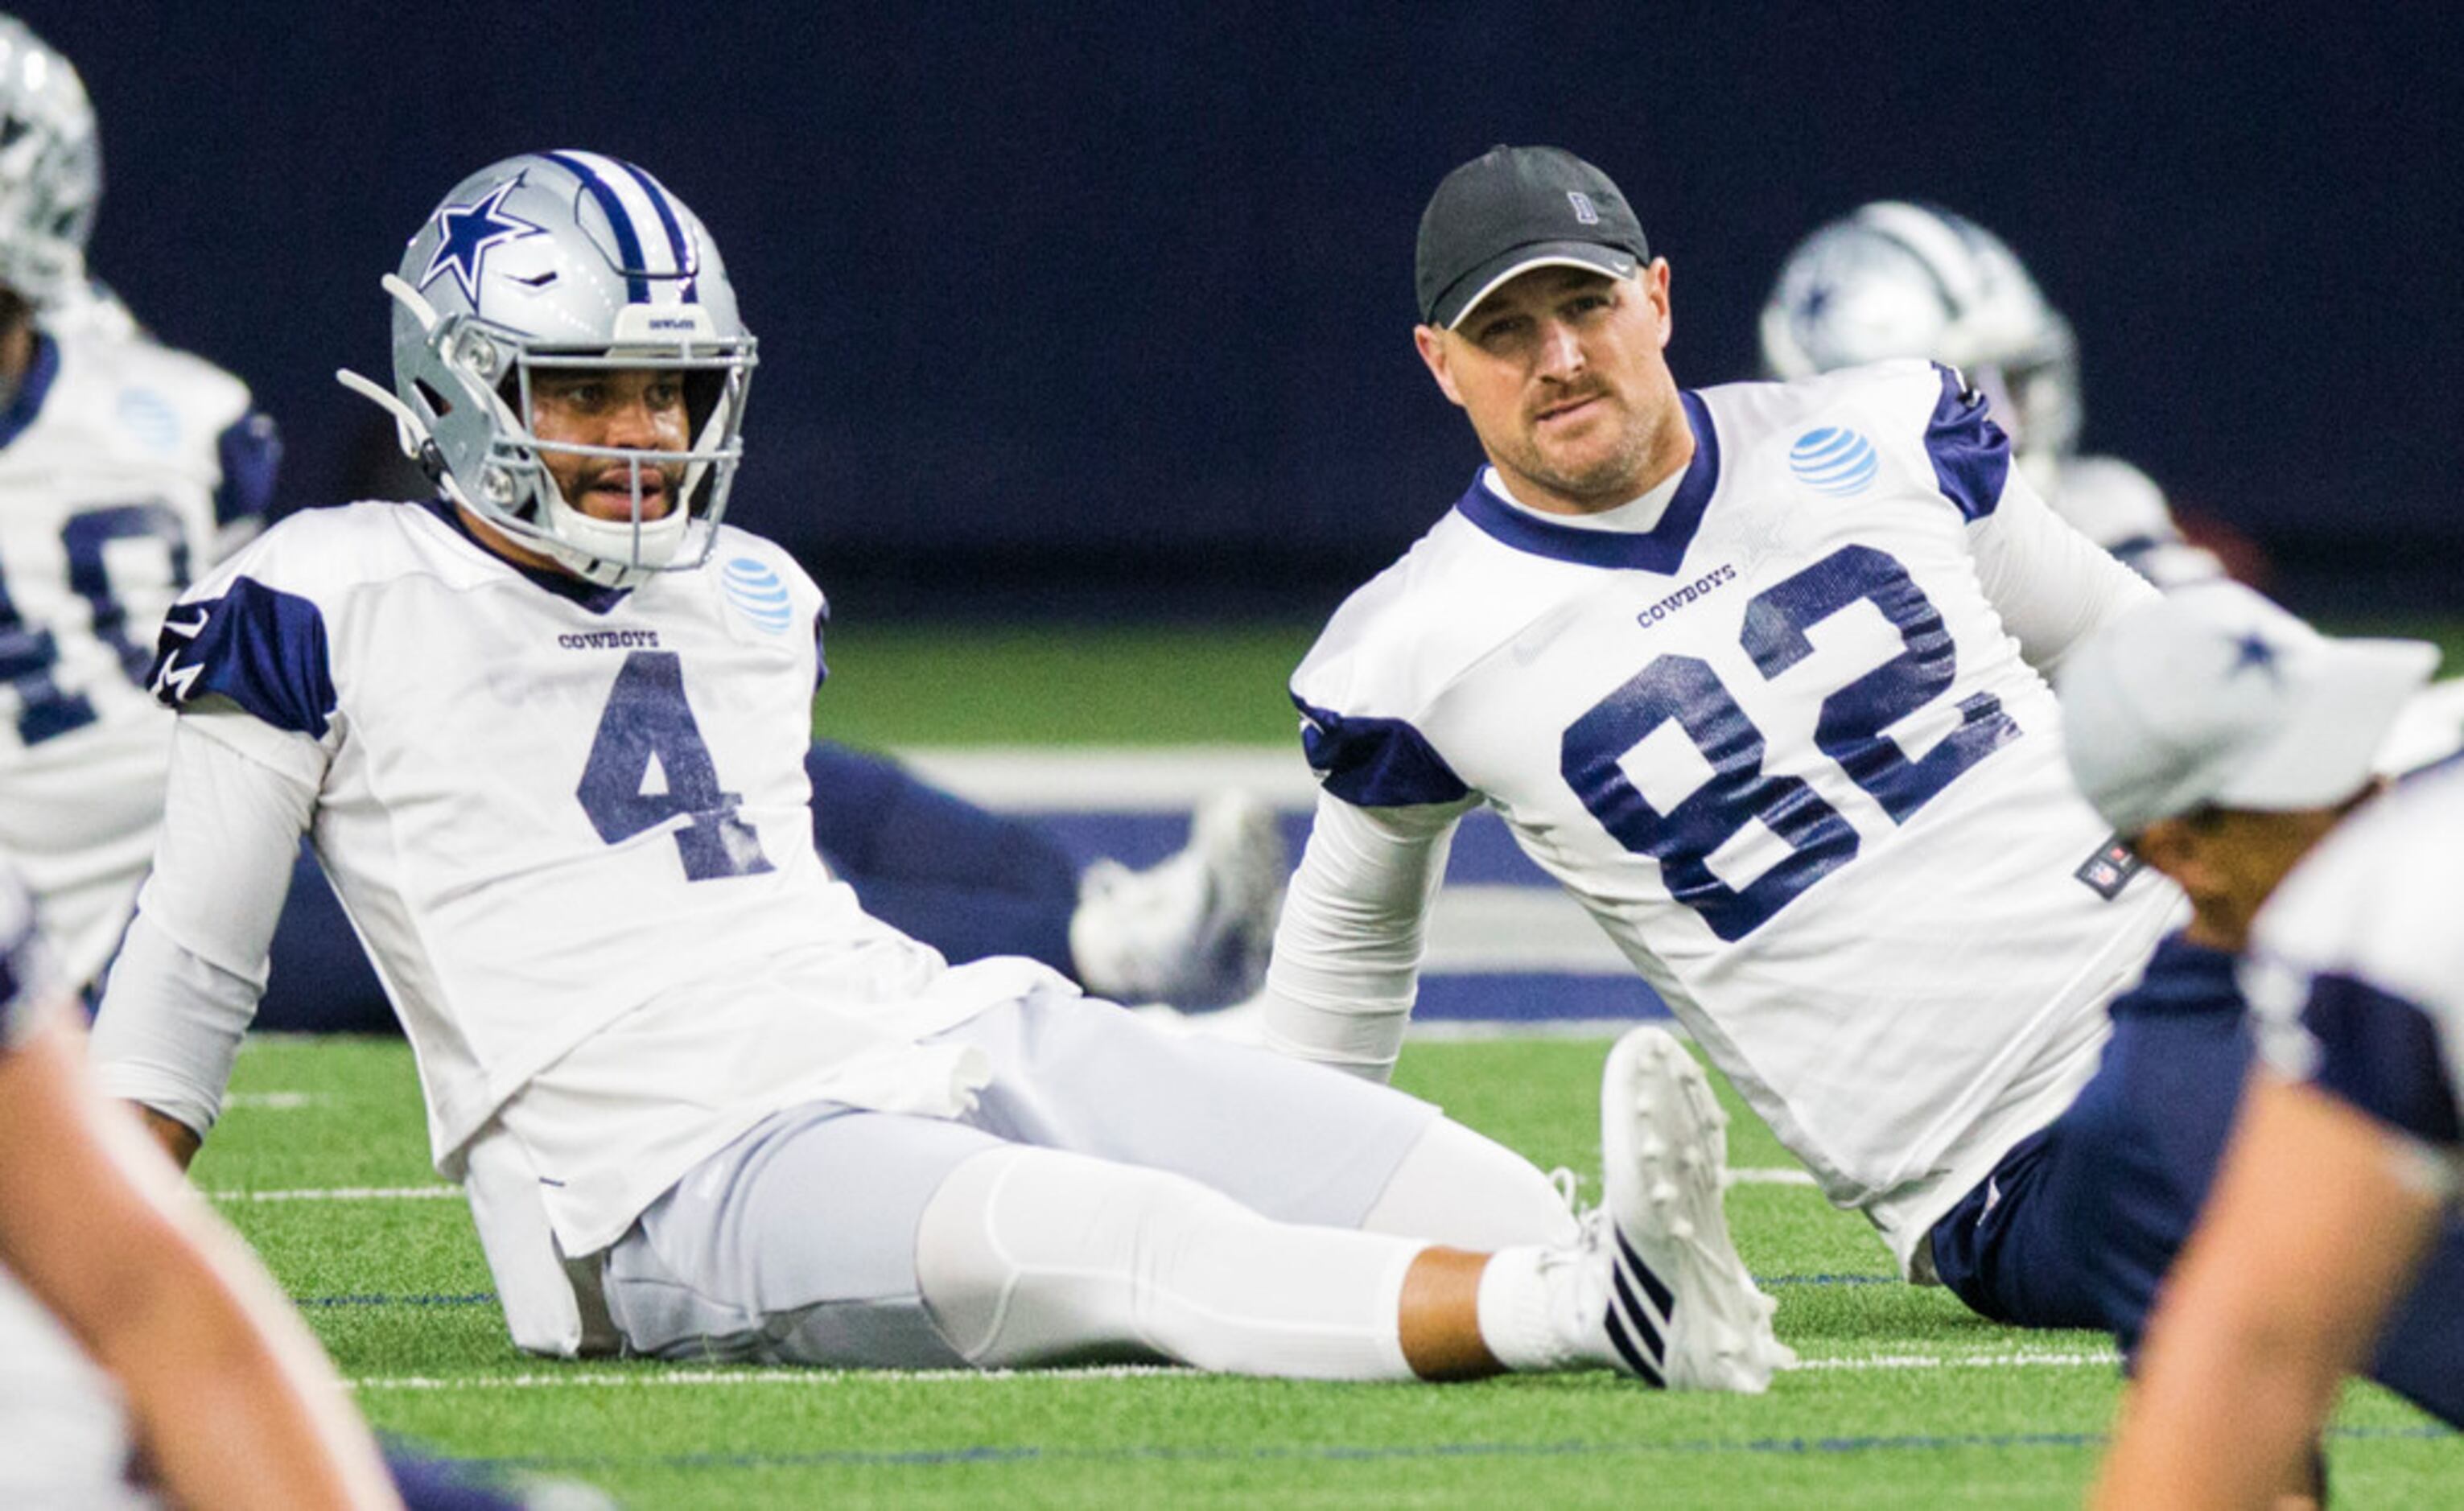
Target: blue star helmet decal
{"x":466,"y":233}
{"x":2251,"y":649}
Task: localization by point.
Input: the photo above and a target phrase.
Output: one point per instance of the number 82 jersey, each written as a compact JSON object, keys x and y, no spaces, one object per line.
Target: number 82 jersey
{"x":1782,"y":747}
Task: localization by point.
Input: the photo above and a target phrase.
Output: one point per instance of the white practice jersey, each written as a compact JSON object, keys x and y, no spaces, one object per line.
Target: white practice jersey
{"x":2355,"y":966}
{"x":123,"y":466}
{"x":1784,"y":747}
{"x":571,"y":826}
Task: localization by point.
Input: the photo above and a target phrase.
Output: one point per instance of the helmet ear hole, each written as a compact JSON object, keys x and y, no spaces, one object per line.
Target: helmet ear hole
{"x":437,"y":404}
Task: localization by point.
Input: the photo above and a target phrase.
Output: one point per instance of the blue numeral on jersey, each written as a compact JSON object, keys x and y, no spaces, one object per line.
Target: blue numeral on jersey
{"x":648,"y":721}
{"x":28,"y":654}
{"x":1688,"y":692}
{"x":1850,"y":727}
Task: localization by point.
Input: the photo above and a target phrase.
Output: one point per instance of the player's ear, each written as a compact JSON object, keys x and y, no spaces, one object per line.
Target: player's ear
{"x":1435,"y":355}
{"x":1654,"y":289}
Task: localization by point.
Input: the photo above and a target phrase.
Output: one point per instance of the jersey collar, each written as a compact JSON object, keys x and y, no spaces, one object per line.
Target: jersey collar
{"x":590,"y":594}
{"x":32,"y":389}
{"x":1660,"y":549}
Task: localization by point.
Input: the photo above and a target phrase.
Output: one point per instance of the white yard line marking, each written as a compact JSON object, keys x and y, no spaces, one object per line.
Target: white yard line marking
{"x":582,"y":1377}
{"x":276,"y":1101}
{"x":1769,"y":1175}
{"x":342,"y":1194}
{"x":2105,"y":1357}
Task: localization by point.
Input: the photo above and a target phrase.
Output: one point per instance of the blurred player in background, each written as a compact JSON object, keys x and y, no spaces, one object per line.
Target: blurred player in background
{"x":1754,"y":671}
{"x":547,"y":732}
{"x":142,"y":1350}
{"x":124,"y":467}
{"x":1894,"y":280}
{"x":2333,"y":1222}
{"x":2223,"y":739}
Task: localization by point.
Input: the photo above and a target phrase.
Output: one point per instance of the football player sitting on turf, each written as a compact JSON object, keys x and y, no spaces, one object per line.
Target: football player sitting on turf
{"x":1754,"y":671}
{"x":1895,"y":280}
{"x":109,"y":1272}
{"x":547,"y":736}
{"x":125,"y":469}
{"x":2239,"y":746}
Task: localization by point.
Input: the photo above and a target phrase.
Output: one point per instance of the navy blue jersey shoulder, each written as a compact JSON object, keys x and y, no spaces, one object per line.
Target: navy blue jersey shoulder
{"x":32,"y":390}
{"x":1971,"y":455}
{"x":1373,"y":762}
{"x":1660,"y":549}
{"x":2382,"y":1054}
{"x":250,"y":450}
{"x":260,"y":646}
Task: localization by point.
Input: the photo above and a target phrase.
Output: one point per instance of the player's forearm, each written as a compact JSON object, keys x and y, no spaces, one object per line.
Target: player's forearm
{"x":2190,"y":1439}
{"x":1348,"y":947}
{"x":186,"y":984}
{"x":2273,"y":1302}
{"x":233,"y":1400}
{"x":235,"y":1403}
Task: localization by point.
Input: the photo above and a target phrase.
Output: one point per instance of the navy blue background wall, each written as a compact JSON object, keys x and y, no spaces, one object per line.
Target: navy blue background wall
{"x":1118,"y":292}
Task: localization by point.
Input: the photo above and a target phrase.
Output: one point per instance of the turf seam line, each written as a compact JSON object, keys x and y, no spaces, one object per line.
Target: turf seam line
{"x":1741,"y":1175}
{"x":580,"y":1378}
{"x":1013,"y":1454}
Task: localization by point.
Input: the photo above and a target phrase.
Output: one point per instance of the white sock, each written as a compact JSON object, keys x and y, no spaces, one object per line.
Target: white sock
{"x":1032,"y":1256}
{"x":1456,"y":1188}
{"x":1516,"y":1320}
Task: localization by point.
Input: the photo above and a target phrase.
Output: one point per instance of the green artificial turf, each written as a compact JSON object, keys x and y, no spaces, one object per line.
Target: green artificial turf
{"x":1907,"y":1399}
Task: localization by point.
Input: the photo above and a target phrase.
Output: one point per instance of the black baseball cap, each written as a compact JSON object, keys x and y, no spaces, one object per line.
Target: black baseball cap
{"x":1514,"y":209}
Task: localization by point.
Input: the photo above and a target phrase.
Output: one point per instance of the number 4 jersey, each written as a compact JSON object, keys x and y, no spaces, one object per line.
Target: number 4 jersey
{"x":569,"y":823}
{"x":123,"y":465}
{"x":1779,"y":738}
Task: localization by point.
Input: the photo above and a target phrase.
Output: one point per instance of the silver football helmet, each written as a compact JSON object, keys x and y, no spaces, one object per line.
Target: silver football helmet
{"x":563,"y":260}
{"x":1894,"y":279}
{"x":51,"y":169}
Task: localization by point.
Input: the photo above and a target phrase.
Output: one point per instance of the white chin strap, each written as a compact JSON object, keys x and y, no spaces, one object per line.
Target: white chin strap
{"x":616,"y":552}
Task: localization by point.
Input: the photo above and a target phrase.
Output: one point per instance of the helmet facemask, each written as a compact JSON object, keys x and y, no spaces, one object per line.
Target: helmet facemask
{"x":50,"y":170}
{"x":467,"y":378}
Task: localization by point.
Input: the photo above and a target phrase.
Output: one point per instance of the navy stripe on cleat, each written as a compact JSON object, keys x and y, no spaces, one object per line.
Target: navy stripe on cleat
{"x":1675,"y":1276}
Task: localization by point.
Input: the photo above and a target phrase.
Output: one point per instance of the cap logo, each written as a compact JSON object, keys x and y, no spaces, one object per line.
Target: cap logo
{"x":1584,"y":209}
{"x":2252,"y":651}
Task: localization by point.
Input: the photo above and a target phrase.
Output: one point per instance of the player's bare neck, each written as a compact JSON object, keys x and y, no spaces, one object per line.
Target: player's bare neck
{"x":16,"y":344}
{"x":496,"y":541}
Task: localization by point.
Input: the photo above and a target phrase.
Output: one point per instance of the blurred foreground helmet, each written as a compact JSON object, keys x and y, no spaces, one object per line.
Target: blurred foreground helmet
{"x":1893,"y":279}
{"x":51,"y":169}
{"x":557,"y":261}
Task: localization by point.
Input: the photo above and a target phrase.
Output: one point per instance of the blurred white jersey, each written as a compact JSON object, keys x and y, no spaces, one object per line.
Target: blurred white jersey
{"x":122,"y":466}
{"x":2356,"y":969}
{"x":1781,"y":743}
{"x":2121,"y":507}
{"x":571,"y":827}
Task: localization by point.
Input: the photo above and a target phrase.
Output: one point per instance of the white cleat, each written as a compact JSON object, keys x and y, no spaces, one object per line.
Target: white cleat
{"x":1195,"y":930}
{"x":1681,"y":1310}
